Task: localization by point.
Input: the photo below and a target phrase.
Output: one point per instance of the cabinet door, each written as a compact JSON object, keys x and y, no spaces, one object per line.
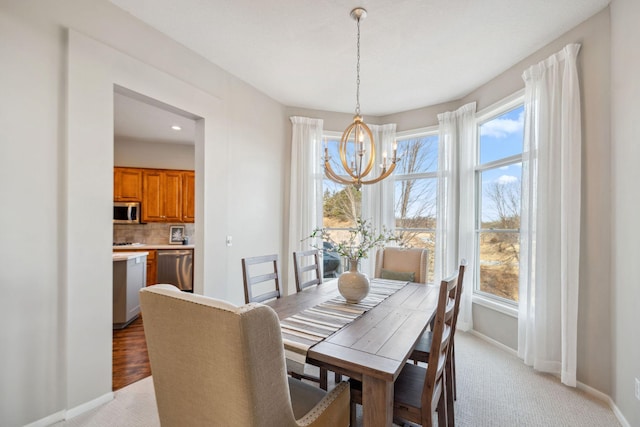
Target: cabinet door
{"x":188,"y":197}
{"x":172,"y":196}
{"x":127,"y":185}
{"x":152,"y":196}
{"x":152,"y":271}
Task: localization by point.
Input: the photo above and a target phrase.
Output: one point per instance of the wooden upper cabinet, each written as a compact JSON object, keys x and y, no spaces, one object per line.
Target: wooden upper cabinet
{"x":127,"y":184}
{"x":165,"y":195}
{"x":188,"y":196}
{"x":152,"y":196}
{"x":173,"y":196}
{"x":161,"y":195}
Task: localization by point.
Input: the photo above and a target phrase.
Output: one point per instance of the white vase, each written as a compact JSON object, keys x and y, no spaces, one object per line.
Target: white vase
{"x":352,"y":284}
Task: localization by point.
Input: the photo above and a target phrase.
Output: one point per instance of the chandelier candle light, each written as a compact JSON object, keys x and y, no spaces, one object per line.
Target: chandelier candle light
{"x":360,"y":137}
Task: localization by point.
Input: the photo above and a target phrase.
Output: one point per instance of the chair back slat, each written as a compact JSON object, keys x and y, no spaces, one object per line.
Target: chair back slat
{"x":303,"y":263}
{"x":253,"y":274}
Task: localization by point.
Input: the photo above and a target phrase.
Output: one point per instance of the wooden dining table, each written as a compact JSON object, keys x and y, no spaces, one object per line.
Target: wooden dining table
{"x":374,"y":347}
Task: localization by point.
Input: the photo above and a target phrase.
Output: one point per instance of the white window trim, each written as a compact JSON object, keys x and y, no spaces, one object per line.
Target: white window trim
{"x":509,"y":308}
{"x":492,"y":303}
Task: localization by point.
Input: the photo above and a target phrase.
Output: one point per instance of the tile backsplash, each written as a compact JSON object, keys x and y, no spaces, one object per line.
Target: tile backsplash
{"x":150,"y":233}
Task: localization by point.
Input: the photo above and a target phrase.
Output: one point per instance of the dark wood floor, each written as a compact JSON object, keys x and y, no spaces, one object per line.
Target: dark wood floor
{"x":130,"y":358}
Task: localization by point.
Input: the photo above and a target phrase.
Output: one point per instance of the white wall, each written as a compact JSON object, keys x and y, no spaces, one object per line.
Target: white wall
{"x":32,"y":306}
{"x":57,"y":155}
{"x":145,"y":154}
{"x":625,"y":130}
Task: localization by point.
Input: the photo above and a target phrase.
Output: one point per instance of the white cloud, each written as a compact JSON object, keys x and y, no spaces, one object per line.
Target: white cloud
{"x":501,"y":128}
{"x":506,"y":179}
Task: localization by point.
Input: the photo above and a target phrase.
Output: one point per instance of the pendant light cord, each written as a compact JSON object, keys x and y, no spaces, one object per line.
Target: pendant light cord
{"x":358,"y":72}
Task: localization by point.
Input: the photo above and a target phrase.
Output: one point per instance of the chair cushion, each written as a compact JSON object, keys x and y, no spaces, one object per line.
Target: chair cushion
{"x":303,"y":397}
{"x":398,"y":275}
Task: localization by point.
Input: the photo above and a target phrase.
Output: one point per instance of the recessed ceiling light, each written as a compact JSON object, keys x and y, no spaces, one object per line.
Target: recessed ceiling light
{"x":176,"y":127}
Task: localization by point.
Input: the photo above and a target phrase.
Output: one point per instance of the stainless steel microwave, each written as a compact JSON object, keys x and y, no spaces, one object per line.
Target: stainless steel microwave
{"x":126,"y":212}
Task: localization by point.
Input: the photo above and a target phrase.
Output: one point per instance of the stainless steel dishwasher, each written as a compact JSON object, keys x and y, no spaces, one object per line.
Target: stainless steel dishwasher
{"x":175,"y":267}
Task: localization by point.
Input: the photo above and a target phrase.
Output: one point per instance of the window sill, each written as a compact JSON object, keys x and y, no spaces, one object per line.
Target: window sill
{"x":495,"y":305}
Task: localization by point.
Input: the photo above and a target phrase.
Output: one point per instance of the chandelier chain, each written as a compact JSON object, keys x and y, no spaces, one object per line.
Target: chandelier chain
{"x":358,"y":72}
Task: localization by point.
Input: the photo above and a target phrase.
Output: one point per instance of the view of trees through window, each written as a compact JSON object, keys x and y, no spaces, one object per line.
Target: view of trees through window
{"x":415,"y":194}
{"x":415,"y":190}
{"x":499,"y":174}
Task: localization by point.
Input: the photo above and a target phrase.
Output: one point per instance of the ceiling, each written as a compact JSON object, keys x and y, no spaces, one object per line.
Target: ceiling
{"x":414,"y":53}
{"x":140,"y":118}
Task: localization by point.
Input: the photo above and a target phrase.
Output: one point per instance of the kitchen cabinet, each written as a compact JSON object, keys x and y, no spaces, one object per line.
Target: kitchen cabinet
{"x":129,"y":275}
{"x":152,"y":269}
{"x":127,"y":184}
{"x":161,"y":195}
{"x":188,"y":196}
{"x":165,"y":195}
{"x":152,"y":263}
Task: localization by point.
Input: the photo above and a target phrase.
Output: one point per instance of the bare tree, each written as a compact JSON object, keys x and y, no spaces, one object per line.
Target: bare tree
{"x":415,"y":204}
{"x":505,"y":198}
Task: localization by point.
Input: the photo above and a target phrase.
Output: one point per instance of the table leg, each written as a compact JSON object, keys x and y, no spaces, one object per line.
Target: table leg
{"x":377,"y":402}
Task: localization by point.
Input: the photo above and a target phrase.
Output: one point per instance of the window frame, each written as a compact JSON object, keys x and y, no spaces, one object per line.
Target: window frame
{"x":491,"y":112}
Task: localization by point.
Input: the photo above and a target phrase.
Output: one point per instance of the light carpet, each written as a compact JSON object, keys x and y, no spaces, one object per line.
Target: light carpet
{"x":494,"y":389}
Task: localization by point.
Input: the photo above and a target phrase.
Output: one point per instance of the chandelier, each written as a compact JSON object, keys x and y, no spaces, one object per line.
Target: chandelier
{"x":357,"y":148}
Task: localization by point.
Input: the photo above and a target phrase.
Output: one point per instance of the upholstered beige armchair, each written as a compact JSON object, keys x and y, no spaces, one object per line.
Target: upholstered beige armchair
{"x":217,"y":364}
{"x":408,"y":264}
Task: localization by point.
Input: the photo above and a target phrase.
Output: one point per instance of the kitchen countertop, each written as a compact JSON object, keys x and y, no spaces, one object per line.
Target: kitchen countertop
{"x":150,"y":247}
{"x":125,"y":256}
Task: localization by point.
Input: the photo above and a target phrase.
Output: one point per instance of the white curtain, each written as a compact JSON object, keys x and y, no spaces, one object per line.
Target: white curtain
{"x":305,"y":199}
{"x":455,"y":227}
{"x":550,"y":223}
{"x":378,"y":198}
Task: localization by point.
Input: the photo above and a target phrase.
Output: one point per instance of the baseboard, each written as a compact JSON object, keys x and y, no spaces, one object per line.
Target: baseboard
{"x":65,"y":415}
{"x":605,"y":398}
{"x":493,"y":342}
{"x":87,"y":406}
{"x":47,"y":421}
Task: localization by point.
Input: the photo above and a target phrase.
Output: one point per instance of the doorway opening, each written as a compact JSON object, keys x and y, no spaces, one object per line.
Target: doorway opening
{"x":149,"y":136}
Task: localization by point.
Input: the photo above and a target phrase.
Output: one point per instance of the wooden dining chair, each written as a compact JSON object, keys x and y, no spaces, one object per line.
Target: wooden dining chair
{"x":257,"y":272}
{"x":409,"y":264}
{"x":419,"y":391}
{"x":306,"y":268}
{"x":423,"y":346}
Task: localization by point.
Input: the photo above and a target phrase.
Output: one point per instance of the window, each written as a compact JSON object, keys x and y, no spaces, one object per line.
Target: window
{"x":341,"y":206}
{"x":498,"y":176}
{"x":415,"y":192}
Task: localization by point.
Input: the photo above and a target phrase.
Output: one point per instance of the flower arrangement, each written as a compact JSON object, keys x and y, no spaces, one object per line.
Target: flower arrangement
{"x":361,"y":240}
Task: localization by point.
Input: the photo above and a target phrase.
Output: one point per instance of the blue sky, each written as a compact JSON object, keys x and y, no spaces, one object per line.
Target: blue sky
{"x":499,"y":138}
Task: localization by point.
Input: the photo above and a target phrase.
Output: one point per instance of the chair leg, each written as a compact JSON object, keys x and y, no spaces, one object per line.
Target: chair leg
{"x":337,"y":378}
{"x":352,"y":414}
{"x":448,"y":391}
{"x":442,"y":410}
{"x":453,"y":366}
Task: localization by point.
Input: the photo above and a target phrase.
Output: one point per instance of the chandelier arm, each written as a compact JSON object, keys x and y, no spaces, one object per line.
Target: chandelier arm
{"x":335,"y":177}
{"x":343,"y":152}
{"x":382,"y":176}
